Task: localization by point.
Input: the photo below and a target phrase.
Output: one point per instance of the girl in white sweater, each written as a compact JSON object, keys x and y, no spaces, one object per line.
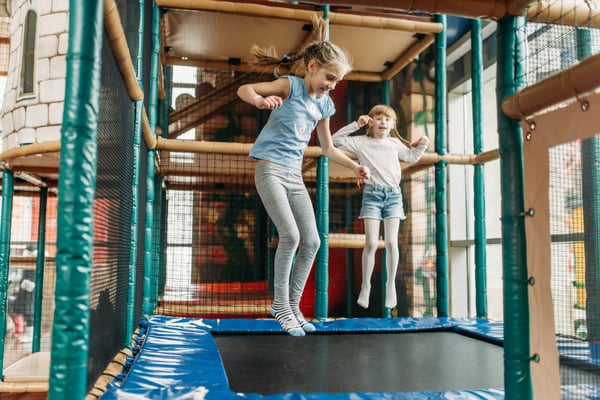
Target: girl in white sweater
{"x":381,"y":150}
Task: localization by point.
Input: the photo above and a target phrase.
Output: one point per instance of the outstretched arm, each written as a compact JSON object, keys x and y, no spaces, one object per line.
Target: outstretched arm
{"x":340,"y":136}
{"x":336,"y":155}
{"x":414,"y":153}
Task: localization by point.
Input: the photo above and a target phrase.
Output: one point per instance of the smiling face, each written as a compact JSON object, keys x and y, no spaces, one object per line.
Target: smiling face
{"x":380,"y":125}
{"x":321,"y":79}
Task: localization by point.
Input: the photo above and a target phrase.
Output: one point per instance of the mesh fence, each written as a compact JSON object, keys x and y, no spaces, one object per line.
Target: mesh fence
{"x":116,"y":212}
{"x":23,"y":278}
{"x":573,"y":215}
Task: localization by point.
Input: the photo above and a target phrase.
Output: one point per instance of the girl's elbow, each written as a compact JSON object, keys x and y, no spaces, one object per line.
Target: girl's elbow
{"x":328,"y":150}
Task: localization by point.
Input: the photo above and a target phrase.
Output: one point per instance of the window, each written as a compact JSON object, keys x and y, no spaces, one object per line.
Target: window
{"x":28,"y":63}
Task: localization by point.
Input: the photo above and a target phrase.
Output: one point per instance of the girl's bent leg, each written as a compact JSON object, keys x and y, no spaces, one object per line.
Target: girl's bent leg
{"x":271,"y":183}
{"x":310,"y":242}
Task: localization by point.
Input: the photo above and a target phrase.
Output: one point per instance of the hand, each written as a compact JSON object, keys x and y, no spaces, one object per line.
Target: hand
{"x":424,"y":140}
{"x":363,"y":120}
{"x":362,"y":171}
{"x":268,"y":103}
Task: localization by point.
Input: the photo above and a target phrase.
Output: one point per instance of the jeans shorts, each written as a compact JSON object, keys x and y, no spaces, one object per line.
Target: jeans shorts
{"x":380,"y":202}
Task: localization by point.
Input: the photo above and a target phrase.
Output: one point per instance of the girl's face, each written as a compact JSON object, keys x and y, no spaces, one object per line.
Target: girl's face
{"x":320,"y":79}
{"x":380,"y":125}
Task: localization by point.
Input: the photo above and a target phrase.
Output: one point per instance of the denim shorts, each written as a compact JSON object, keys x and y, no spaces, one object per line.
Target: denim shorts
{"x":380,"y":202}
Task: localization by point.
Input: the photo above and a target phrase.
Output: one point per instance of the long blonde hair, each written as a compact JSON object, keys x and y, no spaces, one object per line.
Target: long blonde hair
{"x":315,"y":48}
{"x":382,"y":109}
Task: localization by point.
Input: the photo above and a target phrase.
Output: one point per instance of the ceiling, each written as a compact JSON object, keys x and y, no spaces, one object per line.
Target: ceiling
{"x":219,"y":35}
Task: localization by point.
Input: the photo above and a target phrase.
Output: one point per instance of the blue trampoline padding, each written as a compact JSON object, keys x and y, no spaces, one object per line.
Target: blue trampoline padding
{"x":582,"y":351}
{"x":178,"y":359}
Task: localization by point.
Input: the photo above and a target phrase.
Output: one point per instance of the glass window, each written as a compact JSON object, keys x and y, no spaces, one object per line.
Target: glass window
{"x":28,"y":63}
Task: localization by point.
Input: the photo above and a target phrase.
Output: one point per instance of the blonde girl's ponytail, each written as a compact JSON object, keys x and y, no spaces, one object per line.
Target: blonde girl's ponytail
{"x":314,"y":48}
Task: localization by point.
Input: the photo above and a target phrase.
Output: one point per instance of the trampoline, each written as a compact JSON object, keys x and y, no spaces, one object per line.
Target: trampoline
{"x":399,"y":358}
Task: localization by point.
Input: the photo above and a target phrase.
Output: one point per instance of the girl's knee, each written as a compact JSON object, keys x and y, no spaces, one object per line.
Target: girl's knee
{"x":391,"y":244}
{"x":312,"y":243}
{"x":290,"y":239}
{"x":371,"y":246}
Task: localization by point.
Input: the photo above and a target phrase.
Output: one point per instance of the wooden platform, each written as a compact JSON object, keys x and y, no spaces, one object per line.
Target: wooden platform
{"x":27,"y":378}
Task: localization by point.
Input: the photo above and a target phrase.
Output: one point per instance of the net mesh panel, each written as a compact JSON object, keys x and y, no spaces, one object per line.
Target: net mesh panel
{"x":113,"y":208}
{"x":551,"y":49}
{"x":23,"y":259}
{"x":216,"y":250}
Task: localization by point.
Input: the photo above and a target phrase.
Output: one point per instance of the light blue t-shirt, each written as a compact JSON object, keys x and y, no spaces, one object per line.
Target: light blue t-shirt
{"x":287,"y":132}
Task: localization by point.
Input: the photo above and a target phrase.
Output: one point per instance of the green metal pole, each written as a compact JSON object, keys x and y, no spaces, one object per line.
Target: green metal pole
{"x":8,"y":183}
{"x":150,"y":278}
{"x":322,"y":215}
{"x":348,"y":214}
{"x":160,"y":234}
{"x":385,"y":312}
{"x":441,"y":216}
{"x":77,"y":187}
{"x":511,"y":77}
{"x":478,"y":173}
{"x":590,"y":163}
{"x":590,"y":159}
{"x":39,"y":270}
{"x":135,"y":201}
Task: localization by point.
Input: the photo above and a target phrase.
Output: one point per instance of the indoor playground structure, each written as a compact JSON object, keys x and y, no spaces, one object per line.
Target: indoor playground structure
{"x":136,"y":258}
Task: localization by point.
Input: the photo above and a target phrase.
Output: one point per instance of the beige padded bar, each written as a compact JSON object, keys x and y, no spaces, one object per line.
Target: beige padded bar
{"x":569,"y":84}
{"x":399,"y":24}
{"x":564,"y":12}
{"x":408,"y":57}
{"x":365,"y":21}
{"x":239,"y":8}
{"x":118,"y":44}
{"x":30,"y":149}
{"x":488,"y":9}
{"x":465,"y":159}
{"x":349,"y":241}
{"x":120,"y":48}
{"x":360,"y":76}
{"x":194,"y":146}
{"x":149,"y":137}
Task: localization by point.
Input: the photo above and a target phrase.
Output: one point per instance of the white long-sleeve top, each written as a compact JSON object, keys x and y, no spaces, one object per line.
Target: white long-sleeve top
{"x":382,"y":156}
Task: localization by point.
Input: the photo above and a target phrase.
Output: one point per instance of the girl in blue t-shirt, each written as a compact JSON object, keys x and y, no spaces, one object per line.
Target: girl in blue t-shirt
{"x":299,"y":103}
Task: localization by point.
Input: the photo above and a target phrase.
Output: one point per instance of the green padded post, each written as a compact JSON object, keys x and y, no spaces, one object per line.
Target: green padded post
{"x":441,"y":215}
{"x":39,"y":270}
{"x":510,"y":78}
{"x":8,"y":184}
{"x":77,"y":187}
{"x":349,"y":214}
{"x":135,"y":201}
{"x":151,"y":279}
{"x":322,"y":215}
{"x":478,"y":173}
{"x":385,"y":312}
{"x":590,"y":156}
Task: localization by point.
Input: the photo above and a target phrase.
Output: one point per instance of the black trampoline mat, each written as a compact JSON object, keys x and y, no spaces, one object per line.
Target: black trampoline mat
{"x":360,"y":362}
